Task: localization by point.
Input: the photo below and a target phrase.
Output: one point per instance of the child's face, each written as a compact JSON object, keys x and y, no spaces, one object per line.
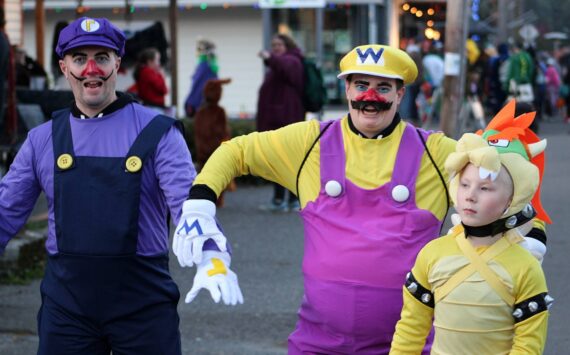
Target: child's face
{"x":482,"y":201}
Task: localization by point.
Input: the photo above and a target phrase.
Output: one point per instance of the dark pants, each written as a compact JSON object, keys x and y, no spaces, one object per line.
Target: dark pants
{"x":91,"y":305}
{"x":64,"y":333}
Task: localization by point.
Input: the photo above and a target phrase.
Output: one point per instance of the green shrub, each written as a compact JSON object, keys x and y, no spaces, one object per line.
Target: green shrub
{"x":242,"y":126}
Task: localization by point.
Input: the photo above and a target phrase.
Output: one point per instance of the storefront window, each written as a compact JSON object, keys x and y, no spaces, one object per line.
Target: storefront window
{"x":343,"y":27}
{"x":299,"y":24}
{"x":337,"y":40}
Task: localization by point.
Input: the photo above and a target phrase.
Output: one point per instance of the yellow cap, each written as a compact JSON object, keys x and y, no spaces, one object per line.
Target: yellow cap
{"x":379,"y":60}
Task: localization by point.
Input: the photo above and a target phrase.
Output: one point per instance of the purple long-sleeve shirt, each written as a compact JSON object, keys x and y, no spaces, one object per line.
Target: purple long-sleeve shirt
{"x":166,"y":176}
{"x":201,"y":75}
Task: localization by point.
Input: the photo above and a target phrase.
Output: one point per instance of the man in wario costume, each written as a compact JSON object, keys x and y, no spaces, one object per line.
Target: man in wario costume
{"x":112,"y":171}
{"x":372,"y":191}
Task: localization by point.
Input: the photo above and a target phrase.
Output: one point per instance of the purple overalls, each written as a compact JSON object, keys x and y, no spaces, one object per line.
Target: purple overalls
{"x":359,"y":246}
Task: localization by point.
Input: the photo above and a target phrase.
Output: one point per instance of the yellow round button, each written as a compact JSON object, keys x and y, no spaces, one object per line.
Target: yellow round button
{"x":64,"y":161}
{"x":133,"y":164}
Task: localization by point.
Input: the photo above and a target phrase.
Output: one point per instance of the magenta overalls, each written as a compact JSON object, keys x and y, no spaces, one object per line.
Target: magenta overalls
{"x":359,"y":246}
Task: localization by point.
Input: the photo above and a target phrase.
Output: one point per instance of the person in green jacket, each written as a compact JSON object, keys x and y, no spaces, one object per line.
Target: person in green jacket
{"x":519,"y":74}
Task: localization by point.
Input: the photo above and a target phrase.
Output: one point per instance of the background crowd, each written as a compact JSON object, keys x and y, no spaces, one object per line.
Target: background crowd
{"x":494,"y":74}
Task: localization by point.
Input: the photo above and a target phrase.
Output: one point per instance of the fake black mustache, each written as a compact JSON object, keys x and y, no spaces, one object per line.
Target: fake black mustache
{"x":377,"y":105}
{"x":82,"y":78}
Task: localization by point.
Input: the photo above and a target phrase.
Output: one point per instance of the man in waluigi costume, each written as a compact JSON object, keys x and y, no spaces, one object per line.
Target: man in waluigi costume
{"x":483,"y":292}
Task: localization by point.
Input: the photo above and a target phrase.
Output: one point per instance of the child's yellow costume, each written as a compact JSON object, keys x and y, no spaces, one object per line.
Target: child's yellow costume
{"x":486,"y":300}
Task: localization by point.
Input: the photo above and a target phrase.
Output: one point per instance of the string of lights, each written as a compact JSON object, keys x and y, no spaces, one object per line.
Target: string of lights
{"x":428,"y":13}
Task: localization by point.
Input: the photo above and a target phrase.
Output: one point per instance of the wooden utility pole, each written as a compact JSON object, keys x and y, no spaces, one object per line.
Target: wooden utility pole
{"x":173,"y":53}
{"x":456,"y":23}
{"x":40,"y":24}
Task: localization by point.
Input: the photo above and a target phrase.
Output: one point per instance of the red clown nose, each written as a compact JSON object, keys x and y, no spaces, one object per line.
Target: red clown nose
{"x":92,"y":69}
{"x":370,"y":95}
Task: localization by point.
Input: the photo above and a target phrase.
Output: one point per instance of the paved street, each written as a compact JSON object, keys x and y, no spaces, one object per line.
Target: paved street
{"x":267,"y":258}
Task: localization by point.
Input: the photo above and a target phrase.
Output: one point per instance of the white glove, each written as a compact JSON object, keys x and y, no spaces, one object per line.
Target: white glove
{"x":197,"y":224}
{"x":214,"y":274}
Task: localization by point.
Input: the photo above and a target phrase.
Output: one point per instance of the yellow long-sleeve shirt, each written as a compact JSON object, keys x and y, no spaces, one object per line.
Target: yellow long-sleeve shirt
{"x":277,"y":156}
{"x":472,"y":318}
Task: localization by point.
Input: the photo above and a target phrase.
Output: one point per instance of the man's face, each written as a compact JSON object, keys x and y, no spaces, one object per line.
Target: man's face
{"x":92,"y":75}
{"x":368,"y":120}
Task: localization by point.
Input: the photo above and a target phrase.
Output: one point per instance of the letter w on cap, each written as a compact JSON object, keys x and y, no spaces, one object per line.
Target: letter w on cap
{"x":370,"y":57}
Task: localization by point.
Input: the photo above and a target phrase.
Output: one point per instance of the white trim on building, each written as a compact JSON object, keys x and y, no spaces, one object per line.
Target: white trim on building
{"x":107,"y":4}
{"x":72,"y":4}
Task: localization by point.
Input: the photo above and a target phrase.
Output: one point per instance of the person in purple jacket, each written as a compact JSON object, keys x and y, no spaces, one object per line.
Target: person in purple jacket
{"x":112,"y":172}
{"x":207,"y":69}
{"x":281,"y":101}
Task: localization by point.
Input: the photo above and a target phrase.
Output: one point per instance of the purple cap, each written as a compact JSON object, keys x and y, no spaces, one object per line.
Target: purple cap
{"x":90,"y":32}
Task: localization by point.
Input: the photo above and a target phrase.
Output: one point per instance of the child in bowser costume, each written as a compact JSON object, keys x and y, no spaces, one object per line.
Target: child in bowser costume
{"x":484,"y":292}
{"x":371,"y":196}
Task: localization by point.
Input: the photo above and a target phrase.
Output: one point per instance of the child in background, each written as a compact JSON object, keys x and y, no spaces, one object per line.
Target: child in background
{"x":150,"y":85}
{"x":482,"y":291}
{"x":211,"y":127}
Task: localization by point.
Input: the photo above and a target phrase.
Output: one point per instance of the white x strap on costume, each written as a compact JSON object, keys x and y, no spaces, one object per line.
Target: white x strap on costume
{"x":536,"y":248}
{"x":197,"y":224}
{"x":214,"y":274}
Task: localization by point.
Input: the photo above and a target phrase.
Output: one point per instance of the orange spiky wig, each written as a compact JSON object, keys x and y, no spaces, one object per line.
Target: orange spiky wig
{"x":510,"y":134}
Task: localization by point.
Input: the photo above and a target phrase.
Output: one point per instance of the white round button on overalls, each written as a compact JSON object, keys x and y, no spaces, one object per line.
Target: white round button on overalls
{"x":400,"y":193}
{"x":333,"y":188}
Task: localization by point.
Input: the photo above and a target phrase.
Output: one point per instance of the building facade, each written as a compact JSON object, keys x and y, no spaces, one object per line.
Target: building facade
{"x":240,"y":29}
